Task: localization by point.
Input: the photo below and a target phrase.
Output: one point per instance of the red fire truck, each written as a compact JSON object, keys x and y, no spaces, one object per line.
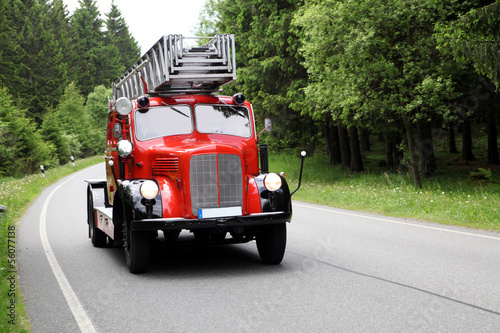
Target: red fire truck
{"x":181,"y":157}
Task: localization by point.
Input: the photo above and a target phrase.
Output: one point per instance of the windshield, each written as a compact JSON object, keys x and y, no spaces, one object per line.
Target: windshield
{"x":223,"y":119}
{"x":163,"y":121}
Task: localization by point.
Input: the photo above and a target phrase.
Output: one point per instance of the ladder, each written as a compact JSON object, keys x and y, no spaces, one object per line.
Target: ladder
{"x":172,"y":67}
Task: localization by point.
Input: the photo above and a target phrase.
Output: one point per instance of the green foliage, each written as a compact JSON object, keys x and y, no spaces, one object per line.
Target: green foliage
{"x":269,"y":70}
{"x":97,"y":107}
{"x":71,"y":129}
{"x":473,"y":37}
{"x":36,"y":60}
{"x":373,"y":60}
{"x":94,"y":61}
{"x":117,"y":34}
{"x":44,"y":120}
{"x":481,"y":174}
{"x":22,"y":148}
{"x":208,"y":20}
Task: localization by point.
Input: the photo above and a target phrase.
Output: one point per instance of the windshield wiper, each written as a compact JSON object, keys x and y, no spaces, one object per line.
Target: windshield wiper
{"x":239,"y":113}
{"x":176,"y":110}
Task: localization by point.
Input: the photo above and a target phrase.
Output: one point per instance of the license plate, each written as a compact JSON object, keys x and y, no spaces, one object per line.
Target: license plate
{"x":206,"y":213}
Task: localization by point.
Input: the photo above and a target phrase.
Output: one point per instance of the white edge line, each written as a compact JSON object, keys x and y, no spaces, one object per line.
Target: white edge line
{"x":81,"y":317}
{"x":333,"y":210}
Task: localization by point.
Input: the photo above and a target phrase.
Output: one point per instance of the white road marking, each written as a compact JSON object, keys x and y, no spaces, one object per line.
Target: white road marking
{"x":81,"y":317}
{"x":333,"y":210}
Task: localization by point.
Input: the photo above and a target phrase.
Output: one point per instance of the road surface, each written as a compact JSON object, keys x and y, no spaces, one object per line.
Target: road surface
{"x":343,"y":271}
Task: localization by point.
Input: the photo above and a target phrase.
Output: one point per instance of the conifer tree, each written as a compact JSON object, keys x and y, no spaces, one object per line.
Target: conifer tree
{"x":94,"y":62}
{"x":118,"y":34}
{"x":269,"y":65}
{"x":38,"y":75}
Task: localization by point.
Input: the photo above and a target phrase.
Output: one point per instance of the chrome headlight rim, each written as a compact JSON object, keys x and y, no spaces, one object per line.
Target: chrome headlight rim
{"x":124,"y":148}
{"x":123,"y":106}
{"x":272,"y":182}
{"x":149,"y":189}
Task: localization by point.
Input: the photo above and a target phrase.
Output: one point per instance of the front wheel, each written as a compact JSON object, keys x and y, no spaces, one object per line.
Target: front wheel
{"x":271,"y":243}
{"x":136,"y":246}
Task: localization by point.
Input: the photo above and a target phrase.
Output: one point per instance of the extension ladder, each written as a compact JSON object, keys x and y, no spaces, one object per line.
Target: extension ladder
{"x":172,"y":67}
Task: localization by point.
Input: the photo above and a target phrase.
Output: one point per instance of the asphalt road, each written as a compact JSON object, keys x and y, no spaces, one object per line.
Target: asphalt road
{"x":342,"y":272}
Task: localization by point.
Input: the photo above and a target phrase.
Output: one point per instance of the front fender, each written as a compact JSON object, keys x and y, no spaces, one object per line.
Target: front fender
{"x":274,"y":201}
{"x":134,"y":202}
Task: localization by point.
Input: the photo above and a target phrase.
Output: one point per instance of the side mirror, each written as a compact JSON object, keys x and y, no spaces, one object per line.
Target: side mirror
{"x":117,"y":130}
{"x":268,"y":124}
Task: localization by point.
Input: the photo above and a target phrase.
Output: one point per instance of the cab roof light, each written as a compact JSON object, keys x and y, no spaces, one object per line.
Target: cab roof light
{"x":143,"y":102}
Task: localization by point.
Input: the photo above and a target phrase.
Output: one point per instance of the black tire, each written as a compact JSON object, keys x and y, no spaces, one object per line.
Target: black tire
{"x":97,"y":236}
{"x":136,"y":246}
{"x":271,"y":243}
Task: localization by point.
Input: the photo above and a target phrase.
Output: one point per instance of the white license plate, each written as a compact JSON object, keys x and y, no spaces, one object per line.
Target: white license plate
{"x":206,"y":213}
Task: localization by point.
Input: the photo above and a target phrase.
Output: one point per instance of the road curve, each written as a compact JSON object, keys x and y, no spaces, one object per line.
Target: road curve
{"x":343,"y":271}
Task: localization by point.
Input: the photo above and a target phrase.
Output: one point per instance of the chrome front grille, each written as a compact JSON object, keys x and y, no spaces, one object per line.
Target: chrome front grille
{"x":216,"y":180}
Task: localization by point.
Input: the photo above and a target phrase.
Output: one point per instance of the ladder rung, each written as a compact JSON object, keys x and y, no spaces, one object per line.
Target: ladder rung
{"x":190,"y":60}
{"x":201,"y":68}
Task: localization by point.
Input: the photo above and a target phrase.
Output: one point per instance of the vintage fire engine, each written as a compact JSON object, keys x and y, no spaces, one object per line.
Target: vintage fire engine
{"x":181,"y":157}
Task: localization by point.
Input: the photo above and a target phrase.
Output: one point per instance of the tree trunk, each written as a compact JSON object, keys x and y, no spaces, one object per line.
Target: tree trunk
{"x":356,"y":159}
{"x":467,"y":141}
{"x":426,"y":157}
{"x":389,"y":151}
{"x":411,"y":148}
{"x":365,"y":139}
{"x":332,"y":142}
{"x":452,"y":142}
{"x":491,"y":125}
{"x":345,"y":150}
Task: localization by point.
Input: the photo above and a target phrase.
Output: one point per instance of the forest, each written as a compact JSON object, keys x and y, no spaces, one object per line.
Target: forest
{"x":56,"y":71}
{"x":331,"y":74}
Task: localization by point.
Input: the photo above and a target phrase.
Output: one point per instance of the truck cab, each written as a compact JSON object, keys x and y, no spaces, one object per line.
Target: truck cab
{"x":180,"y":157}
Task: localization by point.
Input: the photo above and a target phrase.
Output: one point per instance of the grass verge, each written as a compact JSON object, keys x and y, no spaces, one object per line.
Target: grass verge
{"x":453,"y":196}
{"x":17,"y":195}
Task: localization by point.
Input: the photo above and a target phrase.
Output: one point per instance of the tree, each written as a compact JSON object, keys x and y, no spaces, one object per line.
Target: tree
{"x":474,"y":38}
{"x":117,"y":34}
{"x":375,"y":63}
{"x":269,"y":66}
{"x":71,"y":124}
{"x":96,"y":107}
{"x":22,"y":148}
{"x":94,"y":62}
{"x":208,"y":19}
{"x":39,"y":72}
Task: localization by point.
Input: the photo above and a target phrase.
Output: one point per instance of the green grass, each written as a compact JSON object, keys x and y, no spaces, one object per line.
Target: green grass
{"x":17,"y":195}
{"x":449,"y":197}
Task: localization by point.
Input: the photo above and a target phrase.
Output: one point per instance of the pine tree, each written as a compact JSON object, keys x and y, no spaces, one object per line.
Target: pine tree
{"x":39,"y":74}
{"x":94,"y":62}
{"x":118,"y":34}
{"x":269,"y":65}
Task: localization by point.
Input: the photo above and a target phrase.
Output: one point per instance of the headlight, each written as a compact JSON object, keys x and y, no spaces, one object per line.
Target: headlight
{"x":123,"y":106}
{"x":149,"y":189}
{"x":124,"y":148}
{"x":272,"y":182}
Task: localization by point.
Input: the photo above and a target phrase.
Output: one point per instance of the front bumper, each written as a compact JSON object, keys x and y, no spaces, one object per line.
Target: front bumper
{"x":235,"y":221}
